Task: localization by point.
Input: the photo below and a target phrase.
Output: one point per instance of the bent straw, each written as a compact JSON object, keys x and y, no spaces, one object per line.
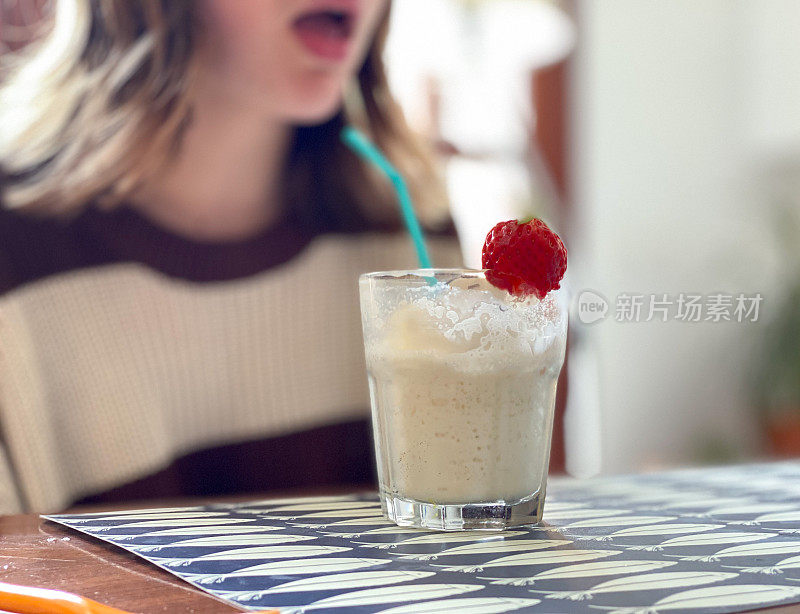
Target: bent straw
{"x":358,"y":142}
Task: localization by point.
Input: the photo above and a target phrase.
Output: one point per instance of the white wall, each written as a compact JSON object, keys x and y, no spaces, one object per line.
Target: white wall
{"x":677,"y":103}
{"x":481,"y":55}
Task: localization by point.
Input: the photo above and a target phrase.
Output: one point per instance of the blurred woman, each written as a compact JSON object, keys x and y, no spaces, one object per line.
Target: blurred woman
{"x":180,"y":237}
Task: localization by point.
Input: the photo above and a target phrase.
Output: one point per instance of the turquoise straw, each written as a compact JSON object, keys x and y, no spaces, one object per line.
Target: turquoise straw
{"x":363,"y":147}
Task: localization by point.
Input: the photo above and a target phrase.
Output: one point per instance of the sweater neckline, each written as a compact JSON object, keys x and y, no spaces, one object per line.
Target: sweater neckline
{"x":124,"y":234}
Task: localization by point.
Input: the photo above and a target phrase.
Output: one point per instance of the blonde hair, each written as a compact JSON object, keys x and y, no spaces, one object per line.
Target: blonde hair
{"x":102,"y":101}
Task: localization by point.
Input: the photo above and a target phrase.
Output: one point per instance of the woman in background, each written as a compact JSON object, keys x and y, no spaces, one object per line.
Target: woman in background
{"x":180,"y":235}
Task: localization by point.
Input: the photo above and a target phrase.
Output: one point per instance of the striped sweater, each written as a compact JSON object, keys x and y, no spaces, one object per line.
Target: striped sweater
{"x":124,"y":348}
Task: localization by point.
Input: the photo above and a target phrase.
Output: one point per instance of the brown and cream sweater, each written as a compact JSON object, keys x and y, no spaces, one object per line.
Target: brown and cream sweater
{"x":127,"y":351}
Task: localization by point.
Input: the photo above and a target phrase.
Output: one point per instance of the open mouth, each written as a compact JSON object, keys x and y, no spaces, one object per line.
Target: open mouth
{"x":336,"y":24}
{"x":326,"y":33}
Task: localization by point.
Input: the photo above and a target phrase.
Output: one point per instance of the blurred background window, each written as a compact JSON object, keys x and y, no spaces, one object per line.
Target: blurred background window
{"x":679,"y":174}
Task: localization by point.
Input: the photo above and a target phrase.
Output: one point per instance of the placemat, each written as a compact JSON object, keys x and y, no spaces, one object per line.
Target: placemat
{"x":702,"y":540}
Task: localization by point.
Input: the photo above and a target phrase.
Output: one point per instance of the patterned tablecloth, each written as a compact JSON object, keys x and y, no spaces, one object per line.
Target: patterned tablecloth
{"x":704,"y":540}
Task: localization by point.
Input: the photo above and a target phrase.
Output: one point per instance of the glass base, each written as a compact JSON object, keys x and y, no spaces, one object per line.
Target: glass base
{"x":490,"y":516}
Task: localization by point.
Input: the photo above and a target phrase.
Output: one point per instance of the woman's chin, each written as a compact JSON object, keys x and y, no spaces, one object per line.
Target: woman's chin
{"x":314,"y":101}
{"x":311,"y":114}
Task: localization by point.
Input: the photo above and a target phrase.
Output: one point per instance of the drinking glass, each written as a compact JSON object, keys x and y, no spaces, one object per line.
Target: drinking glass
{"x":462,"y":379}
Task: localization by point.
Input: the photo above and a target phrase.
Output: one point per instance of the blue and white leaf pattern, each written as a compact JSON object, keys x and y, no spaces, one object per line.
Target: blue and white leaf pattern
{"x":149,"y":516}
{"x":553,"y":506}
{"x":250,"y":554}
{"x":320,"y":506}
{"x":596,"y":569}
{"x":709,"y":539}
{"x":296,"y":567}
{"x":164,"y":524}
{"x":648,"y":582}
{"x":660,"y":496}
{"x":702,"y":540}
{"x":392,"y":594}
{"x":476,"y":605}
{"x":360,"y":512}
{"x":793,"y":562}
{"x":704,"y":503}
{"x":749,"y":510}
{"x":161,"y":512}
{"x":344,"y":525}
{"x":658,"y":530}
{"x":157,"y":537}
{"x":552,"y":557}
{"x":729,"y":596}
{"x":760,"y":549}
{"x":224,"y":540}
{"x":444,"y":538}
{"x":793,"y":516}
{"x":490,"y":547}
{"x":335,"y":582}
{"x":578,"y":514}
{"x":381,"y":533}
{"x":332,"y":499}
{"x":616,"y":521}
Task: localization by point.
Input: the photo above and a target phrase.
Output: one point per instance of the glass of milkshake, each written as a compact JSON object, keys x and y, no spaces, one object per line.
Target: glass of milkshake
{"x":462,"y":379}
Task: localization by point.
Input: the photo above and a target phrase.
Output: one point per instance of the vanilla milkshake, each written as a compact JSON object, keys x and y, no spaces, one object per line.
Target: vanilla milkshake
{"x":462,"y":379}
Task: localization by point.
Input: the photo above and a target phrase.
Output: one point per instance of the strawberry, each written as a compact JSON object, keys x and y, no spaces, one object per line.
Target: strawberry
{"x":524,"y":258}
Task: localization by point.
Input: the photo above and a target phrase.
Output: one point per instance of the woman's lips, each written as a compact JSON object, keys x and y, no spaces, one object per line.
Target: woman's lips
{"x":326,"y":33}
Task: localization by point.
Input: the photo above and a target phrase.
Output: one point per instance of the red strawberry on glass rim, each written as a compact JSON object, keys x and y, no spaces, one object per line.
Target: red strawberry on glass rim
{"x":524,"y":258}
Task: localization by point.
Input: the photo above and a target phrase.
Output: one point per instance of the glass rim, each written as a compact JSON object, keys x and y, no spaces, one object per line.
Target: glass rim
{"x":432,"y":272}
{"x":561,"y":294}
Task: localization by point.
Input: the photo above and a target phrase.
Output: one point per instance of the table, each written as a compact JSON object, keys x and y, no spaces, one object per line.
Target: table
{"x":34,"y":552}
{"x":40,"y":553}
